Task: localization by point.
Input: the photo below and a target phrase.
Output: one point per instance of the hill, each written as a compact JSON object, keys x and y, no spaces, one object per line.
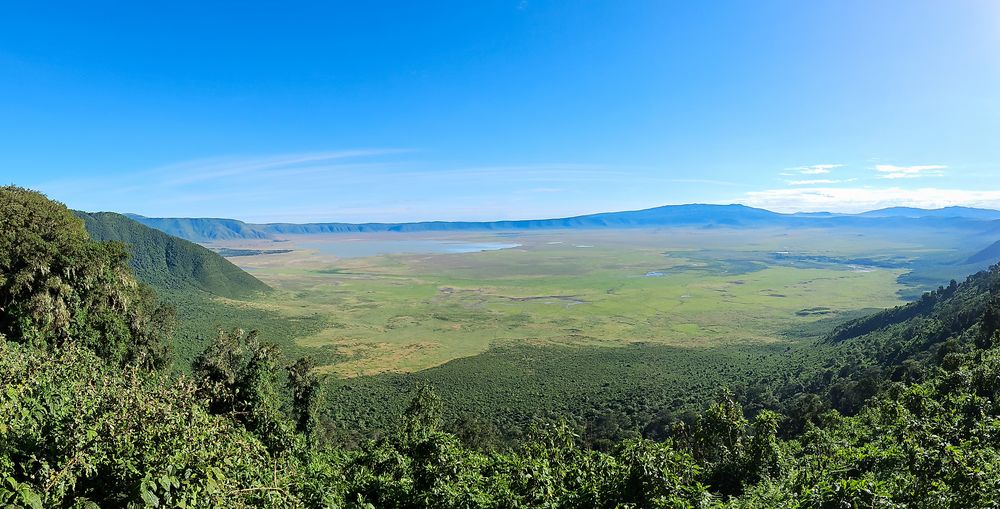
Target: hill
{"x":693,"y":216}
{"x":964,"y":212}
{"x":989,"y":254}
{"x":672,"y":215}
{"x":201,"y":229}
{"x":208,"y":230}
{"x":904,"y":344}
{"x":170,"y":263}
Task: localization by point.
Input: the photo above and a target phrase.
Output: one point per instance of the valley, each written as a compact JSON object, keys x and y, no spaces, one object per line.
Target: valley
{"x":403,"y":312}
{"x":500,"y":255}
{"x":626,"y":323}
{"x":574,"y":344}
{"x":611,"y":328}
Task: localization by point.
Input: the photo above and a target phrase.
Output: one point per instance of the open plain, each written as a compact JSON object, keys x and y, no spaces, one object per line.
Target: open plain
{"x":406,"y":311}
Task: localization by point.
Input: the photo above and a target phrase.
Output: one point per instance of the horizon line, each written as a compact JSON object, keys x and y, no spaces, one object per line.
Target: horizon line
{"x":432,"y":221}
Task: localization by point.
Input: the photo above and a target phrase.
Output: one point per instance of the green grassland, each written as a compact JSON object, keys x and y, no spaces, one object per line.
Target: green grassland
{"x":408,"y":312}
{"x":578,"y":324}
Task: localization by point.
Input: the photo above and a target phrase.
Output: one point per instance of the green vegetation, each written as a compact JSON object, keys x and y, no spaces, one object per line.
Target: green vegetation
{"x":56,"y":285}
{"x":191,"y":279}
{"x":406,"y":313}
{"x":200,"y":316}
{"x":603,"y":394}
{"x":231,"y":252}
{"x":639,"y":328}
{"x":896,"y":409}
{"x":169,"y":263}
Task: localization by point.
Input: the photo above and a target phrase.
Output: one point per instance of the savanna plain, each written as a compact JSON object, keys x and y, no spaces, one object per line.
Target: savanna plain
{"x":614,"y":328}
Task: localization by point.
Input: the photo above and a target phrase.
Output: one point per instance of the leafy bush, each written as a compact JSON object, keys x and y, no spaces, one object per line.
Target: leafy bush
{"x":56,"y":285}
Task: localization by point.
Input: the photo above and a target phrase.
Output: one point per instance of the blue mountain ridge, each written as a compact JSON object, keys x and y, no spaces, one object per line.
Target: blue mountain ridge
{"x":692,"y":215}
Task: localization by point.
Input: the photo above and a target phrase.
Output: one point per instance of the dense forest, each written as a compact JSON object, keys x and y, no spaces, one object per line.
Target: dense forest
{"x":904,"y":411}
{"x":169,"y":263}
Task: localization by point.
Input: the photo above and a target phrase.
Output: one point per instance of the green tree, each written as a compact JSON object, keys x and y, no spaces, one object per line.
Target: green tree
{"x":305,"y":388}
{"x":238,"y":376}
{"x":423,"y":416}
{"x":56,"y":285}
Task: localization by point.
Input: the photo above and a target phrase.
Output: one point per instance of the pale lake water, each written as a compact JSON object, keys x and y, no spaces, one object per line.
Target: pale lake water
{"x":362,"y":248}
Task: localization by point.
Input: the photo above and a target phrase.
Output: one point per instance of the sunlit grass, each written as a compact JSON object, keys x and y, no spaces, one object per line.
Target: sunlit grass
{"x":411,"y":312}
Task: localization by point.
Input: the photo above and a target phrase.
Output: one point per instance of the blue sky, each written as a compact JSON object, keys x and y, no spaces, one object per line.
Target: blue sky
{"x":391,"y":111}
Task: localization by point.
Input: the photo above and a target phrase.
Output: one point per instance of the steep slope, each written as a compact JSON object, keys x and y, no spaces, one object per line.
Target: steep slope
{"x":906,"y":343}
{"x":170,"y":263}
{"x":201,"y":229}
{"x":79,"y":429}
{"x":953,"y":310}
{"x":990,"y":254}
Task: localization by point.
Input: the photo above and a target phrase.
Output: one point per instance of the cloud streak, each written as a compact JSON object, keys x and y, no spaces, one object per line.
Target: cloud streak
{"x":201,"y":170}
{"x":893,"y":172}
{"x":370,"y":185}
{"x":389,"y":185}
{"x":860,"y":199}
{"x":816,"y":182}
{"x":817,"y":169}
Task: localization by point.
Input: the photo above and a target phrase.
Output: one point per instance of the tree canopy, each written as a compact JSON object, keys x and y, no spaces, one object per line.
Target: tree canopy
{"x":57,"y":285}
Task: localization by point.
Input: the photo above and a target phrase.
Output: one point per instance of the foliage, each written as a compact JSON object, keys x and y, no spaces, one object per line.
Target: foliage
{"x":83,"y":428}
{"x":200,"y":316}
{"x":605,"y":395}
{"x":304,"y":385}
{"x":237,"y":376}
{"x":78,"y":429}
{"x":56,"y":286}
{"x":170,"y":263}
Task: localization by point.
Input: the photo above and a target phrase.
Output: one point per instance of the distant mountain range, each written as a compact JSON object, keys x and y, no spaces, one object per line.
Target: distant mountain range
{"x":963,"y":212}
{"x":695,"y":215}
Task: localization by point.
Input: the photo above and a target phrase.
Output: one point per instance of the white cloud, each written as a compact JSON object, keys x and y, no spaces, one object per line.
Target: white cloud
{"x":890,"y":171}
{"x":860,"y":199}
{"x":816,"y":182}
{"x":811,"y":182}
{"x":816,"y":169}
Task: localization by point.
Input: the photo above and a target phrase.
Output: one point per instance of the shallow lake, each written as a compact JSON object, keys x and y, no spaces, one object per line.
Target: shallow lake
{"x":360,"y":248}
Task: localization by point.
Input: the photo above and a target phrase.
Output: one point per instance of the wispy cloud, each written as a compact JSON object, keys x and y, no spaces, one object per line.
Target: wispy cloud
{"x":816,"y":182}
{"x":816,"y":169}
{"x":365,"y":185}
{"x":890,"y":171}
{"x":393,"y":185}
{"x":859,"y":199}
{"x":201,"y":170}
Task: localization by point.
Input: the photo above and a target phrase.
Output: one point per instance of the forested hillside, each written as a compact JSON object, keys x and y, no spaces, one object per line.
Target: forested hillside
{"x":171,"y":263}
{"x":906,"y":413}
{"x":201,"y":229}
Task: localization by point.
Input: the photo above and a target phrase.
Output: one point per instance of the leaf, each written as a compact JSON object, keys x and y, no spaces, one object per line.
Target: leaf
{"x":29,"y":497}
{"x":149,"y":498}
